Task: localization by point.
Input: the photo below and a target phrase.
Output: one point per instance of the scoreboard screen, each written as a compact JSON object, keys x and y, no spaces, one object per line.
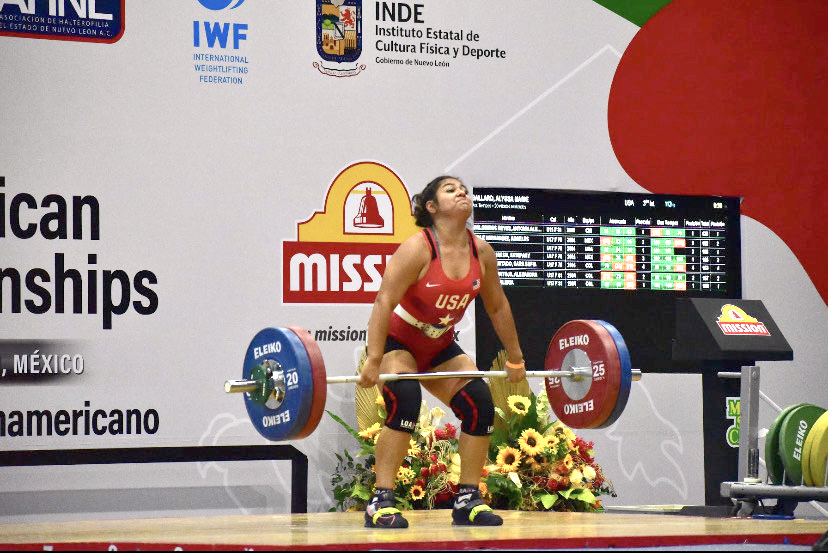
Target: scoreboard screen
{"x":623,"y":258}
{"x":614,"y":242}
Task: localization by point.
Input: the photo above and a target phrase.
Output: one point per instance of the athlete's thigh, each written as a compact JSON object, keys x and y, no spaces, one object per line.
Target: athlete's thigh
{"x":398,"y":361}
{"x":445,"y":388}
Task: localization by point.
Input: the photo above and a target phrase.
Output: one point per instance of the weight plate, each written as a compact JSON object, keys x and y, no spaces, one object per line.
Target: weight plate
{"x":626,"y":374}
{"x":792,"y":434}
{"x":773,"y":462}
{"x":815,"y":452}
{"x":598,"y":347}
{"x":319,"y":377}
{"x":288,"y":420}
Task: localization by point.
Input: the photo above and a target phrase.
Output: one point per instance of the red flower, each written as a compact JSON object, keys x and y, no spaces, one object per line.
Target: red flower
{"x":451,"y":430}
{"x":424,"y":472}
{"x":552,"y":485}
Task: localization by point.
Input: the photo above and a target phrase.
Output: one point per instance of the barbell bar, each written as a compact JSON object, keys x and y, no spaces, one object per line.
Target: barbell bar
{"x":587,"y":370}
{"x":575,"y":373}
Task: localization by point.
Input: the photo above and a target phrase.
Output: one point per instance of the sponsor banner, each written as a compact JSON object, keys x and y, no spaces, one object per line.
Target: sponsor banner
{"x":342,"y":251}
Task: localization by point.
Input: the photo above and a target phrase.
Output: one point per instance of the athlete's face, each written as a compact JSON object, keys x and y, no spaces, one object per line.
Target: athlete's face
{"x":452,"y":197}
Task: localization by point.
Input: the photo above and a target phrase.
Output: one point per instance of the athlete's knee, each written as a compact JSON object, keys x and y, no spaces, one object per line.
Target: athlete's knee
{"x":473,"y":406}
{"x":402,"y":404}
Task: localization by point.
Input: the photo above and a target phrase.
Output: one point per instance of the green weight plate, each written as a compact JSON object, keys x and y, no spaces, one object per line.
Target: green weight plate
{"x":792,"y":434}
{"x":815,"y":452}
{"x":773,"y":462}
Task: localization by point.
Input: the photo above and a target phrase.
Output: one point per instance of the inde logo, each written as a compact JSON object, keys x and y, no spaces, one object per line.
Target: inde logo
{"x":341,"y":252}
{"x":78,"y":20}
{"x":734,"y":321}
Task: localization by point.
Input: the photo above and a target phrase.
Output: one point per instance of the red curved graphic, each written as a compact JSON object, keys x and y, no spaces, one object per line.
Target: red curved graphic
{"x":728,"y":98}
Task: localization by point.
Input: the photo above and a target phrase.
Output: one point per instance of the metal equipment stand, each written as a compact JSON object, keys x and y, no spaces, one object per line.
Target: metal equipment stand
{"x":747,"y":493}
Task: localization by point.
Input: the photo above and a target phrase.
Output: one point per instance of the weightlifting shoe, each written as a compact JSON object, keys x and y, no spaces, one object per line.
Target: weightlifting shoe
{"x":470,"y":510}
{"x":381,"y":513}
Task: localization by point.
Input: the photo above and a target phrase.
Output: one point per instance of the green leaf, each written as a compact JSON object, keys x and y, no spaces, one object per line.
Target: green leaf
{"x":366,"y":450}
{"x":361,"y":492}
{"x":565,"y":493}
{"x":548,"y":500}
{"x":350,"y":430}
{"x":584,"y":495}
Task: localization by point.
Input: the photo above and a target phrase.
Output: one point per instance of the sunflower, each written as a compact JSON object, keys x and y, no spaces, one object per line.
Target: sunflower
{"x":531,"y":442}
{"x":417,"y":492}
{"x":508,"y":459}
{"x":413,"y":448}
{"x":518,"y":404}
{"x":405,"y":475}
{"x":370,"y":431}
{"x":567,"y":461}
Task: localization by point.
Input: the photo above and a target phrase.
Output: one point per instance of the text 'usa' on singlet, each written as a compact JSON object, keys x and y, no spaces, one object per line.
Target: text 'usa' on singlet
{"x":437,"y":300}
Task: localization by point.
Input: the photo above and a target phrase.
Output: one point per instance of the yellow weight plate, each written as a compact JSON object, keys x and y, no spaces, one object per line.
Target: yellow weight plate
{"x":815,"y":453}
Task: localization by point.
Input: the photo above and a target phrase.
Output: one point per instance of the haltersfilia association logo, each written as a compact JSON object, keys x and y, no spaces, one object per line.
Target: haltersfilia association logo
{"x":339,"y":37}
{"x":76,"y":20}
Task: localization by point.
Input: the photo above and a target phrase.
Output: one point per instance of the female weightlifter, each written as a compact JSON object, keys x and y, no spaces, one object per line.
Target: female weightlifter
{"x":427,"y":286}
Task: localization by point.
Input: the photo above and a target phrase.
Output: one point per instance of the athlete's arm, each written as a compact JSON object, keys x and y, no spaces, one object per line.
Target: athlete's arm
{"x":498,"y":308}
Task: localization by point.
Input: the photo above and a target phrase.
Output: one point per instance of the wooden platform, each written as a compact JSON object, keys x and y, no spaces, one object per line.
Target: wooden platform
{"x":428,"y":530}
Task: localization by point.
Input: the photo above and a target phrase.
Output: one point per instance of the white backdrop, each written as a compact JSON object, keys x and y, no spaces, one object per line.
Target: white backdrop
{"x":200,"y":184}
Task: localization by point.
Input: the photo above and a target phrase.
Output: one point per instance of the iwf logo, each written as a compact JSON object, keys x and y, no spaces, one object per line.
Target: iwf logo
{"x":221,"y":4}
{"x":339,"y":37}
{"x":341,"y":252}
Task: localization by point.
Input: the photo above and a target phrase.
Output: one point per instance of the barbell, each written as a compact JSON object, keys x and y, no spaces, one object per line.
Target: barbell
{"x":587,"y":370}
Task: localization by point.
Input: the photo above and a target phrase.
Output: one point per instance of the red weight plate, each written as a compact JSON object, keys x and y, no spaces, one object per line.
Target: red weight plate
{"x":584,"y":338}
{"x":320,"y":381}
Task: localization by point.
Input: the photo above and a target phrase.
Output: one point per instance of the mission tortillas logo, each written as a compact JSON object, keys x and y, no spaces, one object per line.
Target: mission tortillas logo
{"x":341,"y":252}
{"x":735,"y":322}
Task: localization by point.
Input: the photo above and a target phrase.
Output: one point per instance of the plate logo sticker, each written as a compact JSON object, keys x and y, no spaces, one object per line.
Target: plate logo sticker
{"x":75,"y":20}
{"x":735,"y":322}
{"x":339,"y":37}
{"x":341,"y":252}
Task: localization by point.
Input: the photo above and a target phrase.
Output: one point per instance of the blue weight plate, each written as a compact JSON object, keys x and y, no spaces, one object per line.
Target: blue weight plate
{"x":626,"y":374}
{"x":285,"y":421}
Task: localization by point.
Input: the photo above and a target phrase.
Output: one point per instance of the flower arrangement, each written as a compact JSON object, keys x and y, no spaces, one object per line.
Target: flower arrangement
{"x":539,"y":464}
{"x":427,"y":478}
{"x":534,"y":463}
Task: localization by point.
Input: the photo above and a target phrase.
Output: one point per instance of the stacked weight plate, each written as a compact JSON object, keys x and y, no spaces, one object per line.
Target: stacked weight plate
{"x":796,"y":445}
{"x":815,"y":452}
